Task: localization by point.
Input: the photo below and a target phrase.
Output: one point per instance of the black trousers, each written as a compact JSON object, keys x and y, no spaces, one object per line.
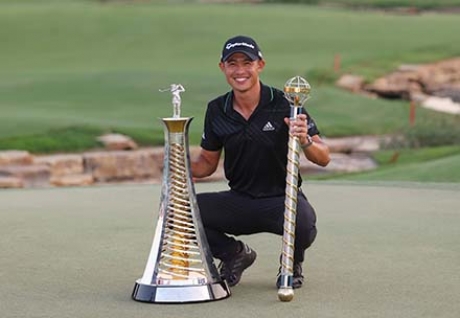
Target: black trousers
{"x":228,"y":213}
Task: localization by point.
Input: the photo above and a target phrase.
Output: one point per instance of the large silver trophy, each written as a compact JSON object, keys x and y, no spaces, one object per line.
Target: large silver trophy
{"x":180,"y":267}
{"x":296,"y":91}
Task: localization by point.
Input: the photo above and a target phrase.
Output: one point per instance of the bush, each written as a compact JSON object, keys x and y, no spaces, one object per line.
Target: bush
{"x":428,"y":133}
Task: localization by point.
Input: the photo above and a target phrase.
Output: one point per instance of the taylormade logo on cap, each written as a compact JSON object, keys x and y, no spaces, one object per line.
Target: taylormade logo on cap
{"x":230,"y":45}
{"x":241,"y":44}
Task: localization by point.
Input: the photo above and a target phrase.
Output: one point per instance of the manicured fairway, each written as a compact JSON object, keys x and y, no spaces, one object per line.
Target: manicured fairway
{"x":86,"y":64}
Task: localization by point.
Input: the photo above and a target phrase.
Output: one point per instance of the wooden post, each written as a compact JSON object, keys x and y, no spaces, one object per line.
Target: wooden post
{"x":412,"y":113}
{"x":337,"y":63}
{"x":394,"y":157}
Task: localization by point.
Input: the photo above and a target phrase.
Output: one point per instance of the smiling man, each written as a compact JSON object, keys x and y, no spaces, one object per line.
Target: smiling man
{"x":251,"y":125}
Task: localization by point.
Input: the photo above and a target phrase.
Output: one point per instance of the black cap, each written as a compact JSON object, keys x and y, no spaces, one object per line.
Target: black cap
{"x":241,"y":44}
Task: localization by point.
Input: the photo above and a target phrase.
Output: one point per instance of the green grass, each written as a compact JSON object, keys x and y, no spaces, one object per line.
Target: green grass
{"x":74,"y":139}
{"x":389,"y":158}
{"x":79,"y":64}
{"x":73,"y":69}
{"x":69,"y":139}
{"x":439,"y":170}
{"x":436,"y":164}
{"x":424,"y":4}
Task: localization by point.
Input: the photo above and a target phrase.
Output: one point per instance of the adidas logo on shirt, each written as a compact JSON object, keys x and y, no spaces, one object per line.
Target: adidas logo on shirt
{"x":268,"y":127}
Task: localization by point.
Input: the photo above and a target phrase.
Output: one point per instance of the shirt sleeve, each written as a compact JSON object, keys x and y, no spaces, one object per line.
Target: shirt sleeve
{"x":209,"y":140}
{"x":312,"y":128}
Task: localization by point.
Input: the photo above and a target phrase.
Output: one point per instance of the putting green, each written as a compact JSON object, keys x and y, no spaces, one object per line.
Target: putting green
{"x":383,"y":250}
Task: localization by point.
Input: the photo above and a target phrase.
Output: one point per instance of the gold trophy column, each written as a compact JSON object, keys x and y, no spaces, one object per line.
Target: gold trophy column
{"x":296,"y":91}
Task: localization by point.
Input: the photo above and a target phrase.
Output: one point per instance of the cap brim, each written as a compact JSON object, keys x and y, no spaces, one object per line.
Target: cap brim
{"x":252,"y":56}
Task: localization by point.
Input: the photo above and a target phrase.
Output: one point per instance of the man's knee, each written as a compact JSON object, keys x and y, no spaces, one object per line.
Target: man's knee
{"x":306,"y":236}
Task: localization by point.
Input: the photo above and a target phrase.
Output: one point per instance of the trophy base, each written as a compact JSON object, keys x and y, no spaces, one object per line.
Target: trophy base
{"x":180,"y":294}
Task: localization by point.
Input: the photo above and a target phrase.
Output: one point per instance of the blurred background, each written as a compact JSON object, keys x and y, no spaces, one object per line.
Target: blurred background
{"x":72,"y":70}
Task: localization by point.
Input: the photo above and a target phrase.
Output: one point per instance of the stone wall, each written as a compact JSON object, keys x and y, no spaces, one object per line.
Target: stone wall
{"x":20,"y":169}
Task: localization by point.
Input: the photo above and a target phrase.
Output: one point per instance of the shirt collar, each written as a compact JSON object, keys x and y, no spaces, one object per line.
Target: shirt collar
{"x":266,"y":95}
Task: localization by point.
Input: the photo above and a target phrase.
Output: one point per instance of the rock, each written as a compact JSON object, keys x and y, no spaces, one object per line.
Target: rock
{"x":72,"y":180}
{"x":395,"y":85}
{"x":440,"y":76}
{"x":451,"y":92}
{"x":353,"y":144}
{"x":36,"y":175}
{"x":10,"y":182}
{"x":117,"y":142}
{"x":413,"y":81}
{"x":15,"y":157}
{"x":122,"y":165}
{"x":440,"y":104}
{"x":62,"y":164}
{"x":339,"y":163}
{"x":350,"y":82}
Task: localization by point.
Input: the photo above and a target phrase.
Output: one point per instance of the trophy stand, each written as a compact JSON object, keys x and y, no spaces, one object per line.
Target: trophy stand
{"x":180,"y":267}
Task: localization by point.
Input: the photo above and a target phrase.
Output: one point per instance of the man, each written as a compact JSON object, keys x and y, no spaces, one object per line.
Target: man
{"x":251,"y":124}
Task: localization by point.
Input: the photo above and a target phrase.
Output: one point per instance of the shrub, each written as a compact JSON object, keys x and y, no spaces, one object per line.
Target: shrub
{"x":428,"y":133}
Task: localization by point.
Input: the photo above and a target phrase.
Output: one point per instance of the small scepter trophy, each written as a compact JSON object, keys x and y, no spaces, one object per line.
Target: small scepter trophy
{"x":296,"y":91}
{"x":180,"y":267}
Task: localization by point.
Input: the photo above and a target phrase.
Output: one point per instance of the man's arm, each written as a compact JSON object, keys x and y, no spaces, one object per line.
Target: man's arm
{"x":205,"y":163}
{"x":317,"y":151}
{"x":314,"y":147}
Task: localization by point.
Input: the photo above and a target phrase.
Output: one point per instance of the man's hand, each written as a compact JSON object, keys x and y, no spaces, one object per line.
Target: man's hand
{"x":316,"y":151}
{"x":299,"y":127}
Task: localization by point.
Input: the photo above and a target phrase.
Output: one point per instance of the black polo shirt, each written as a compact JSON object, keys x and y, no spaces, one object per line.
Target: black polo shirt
{"x":255,"y":149}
